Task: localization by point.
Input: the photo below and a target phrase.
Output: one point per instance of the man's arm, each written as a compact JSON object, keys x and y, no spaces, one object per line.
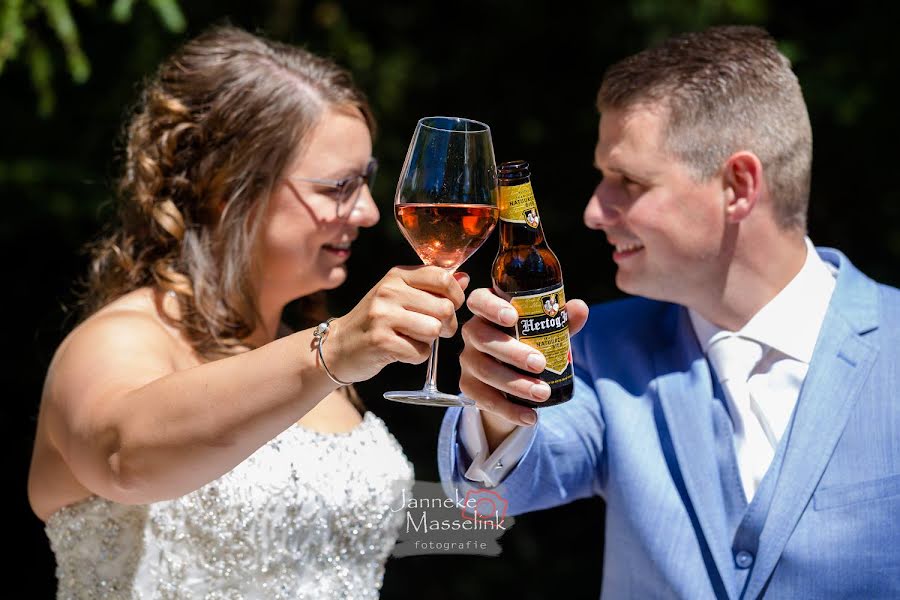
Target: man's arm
{"x":489,"y":455}
{"x":562,"y":460}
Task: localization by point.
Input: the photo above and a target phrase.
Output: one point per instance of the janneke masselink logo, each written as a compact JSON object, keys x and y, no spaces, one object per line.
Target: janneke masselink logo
{"x":461,"y":523}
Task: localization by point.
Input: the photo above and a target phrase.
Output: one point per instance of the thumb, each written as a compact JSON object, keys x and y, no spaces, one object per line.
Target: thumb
{"x":578,"y":315}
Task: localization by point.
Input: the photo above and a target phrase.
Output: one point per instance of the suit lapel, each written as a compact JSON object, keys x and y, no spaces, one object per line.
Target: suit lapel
{"x":839,"y":367}
{"x":685,"y":397}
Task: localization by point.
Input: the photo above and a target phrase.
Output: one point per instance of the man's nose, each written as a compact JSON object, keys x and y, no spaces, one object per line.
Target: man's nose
{"x":601,"y":210}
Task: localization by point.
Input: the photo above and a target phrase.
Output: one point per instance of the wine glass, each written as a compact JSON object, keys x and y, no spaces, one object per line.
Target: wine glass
{"x":446,"y":207}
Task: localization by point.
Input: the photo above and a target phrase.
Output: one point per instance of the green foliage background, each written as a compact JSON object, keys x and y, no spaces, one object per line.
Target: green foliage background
{"x":70,"y":71}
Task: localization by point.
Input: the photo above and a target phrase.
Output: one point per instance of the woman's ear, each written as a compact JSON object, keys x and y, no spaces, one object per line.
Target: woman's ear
{"x":743,"y":181}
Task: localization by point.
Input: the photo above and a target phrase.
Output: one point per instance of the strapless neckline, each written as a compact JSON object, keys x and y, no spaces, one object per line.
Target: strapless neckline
{"x":368,"y":418}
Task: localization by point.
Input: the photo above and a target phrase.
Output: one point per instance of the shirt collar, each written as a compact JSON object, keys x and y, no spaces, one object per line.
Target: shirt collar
{"x":791,"y":321}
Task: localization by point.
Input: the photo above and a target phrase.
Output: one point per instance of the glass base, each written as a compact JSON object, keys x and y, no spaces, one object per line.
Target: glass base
{"x":429,"y":398}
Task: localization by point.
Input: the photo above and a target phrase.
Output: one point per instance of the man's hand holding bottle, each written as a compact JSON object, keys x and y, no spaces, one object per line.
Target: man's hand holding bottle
{"x":488,"y":356}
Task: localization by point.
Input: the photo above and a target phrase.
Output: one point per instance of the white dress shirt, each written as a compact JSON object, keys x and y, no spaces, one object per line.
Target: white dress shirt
{"x":786,"y":328}
{"x":490,"y":470}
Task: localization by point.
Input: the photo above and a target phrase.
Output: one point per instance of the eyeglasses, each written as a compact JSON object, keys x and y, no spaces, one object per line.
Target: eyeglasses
{"x":346,"y":191}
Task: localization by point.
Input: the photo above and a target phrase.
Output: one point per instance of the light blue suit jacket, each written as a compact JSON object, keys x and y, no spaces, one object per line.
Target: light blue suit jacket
{"x":644,"y":431}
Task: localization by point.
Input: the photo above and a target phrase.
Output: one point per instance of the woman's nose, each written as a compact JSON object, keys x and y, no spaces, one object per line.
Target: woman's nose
{"x":365,"y":212}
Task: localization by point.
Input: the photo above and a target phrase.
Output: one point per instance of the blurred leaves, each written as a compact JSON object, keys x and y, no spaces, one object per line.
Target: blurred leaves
{"x":24,"y":24}
{"x":170,"y":14}
{"x":12,"y":29}
{"x":666,"y":18}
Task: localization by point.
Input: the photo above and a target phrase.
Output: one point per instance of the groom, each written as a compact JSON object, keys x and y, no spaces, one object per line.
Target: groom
{"x":740,"y":415}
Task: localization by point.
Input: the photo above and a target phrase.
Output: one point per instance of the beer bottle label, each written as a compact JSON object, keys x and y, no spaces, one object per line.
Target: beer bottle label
{"x":544,"y":325}
{"x":517,"y":205}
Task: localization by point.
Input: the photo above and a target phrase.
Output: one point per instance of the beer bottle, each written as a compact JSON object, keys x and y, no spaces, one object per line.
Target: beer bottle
{"x":528,"y":275}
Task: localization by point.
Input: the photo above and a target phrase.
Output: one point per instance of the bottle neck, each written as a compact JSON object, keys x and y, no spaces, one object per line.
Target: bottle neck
{"x":520,"y":222}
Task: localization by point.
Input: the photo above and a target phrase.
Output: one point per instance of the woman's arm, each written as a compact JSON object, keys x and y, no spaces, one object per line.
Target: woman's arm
{"x":134,"y":430}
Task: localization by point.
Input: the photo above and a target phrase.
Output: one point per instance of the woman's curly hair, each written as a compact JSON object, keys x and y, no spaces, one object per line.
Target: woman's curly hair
{"x":214,"y":130}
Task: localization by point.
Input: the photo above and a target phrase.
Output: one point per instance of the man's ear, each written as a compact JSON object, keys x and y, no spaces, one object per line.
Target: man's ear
{"x":743,"y":185}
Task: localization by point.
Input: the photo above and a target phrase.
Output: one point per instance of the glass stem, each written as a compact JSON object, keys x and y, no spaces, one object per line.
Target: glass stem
{"x":430,"y":381}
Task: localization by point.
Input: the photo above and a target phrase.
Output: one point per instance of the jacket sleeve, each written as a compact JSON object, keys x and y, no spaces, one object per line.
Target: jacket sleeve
{"x":563,"y":463}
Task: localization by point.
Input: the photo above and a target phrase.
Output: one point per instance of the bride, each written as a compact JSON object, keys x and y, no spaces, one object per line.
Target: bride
{"x":188,"y":446}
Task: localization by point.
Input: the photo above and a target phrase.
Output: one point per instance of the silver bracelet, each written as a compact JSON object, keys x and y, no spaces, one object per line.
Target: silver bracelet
{"x":320,"y":333}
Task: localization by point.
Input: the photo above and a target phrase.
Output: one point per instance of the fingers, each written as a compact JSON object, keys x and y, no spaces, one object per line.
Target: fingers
{"x":418,"y":326}
{"x":485,"y":345}
{"x":484,"y":303}
{"x":481,"y":336}
{"x":425,"y":303}
{"x":435,"y":280}
{"x":490,"y":400}
{"x":403,"y":348}
{"x":480,"y":366}
{"x":419,"y":312}
{"x":430,"y":291}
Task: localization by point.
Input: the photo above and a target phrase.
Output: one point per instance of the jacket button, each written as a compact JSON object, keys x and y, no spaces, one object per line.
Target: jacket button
{"x":743,"y":559}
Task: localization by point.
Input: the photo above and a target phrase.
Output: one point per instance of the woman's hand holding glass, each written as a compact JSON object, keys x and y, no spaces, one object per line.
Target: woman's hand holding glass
{"x":397,"y":321}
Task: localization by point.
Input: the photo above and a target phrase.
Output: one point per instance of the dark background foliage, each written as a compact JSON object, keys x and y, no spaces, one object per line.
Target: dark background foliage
{"x":530,"y":69}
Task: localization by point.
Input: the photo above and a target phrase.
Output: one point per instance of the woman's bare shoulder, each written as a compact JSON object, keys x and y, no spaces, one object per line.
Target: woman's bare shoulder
{"x":143,"y":306}
{"x":127,"y":335}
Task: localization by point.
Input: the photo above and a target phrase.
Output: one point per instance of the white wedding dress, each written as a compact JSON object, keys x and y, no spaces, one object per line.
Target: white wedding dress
{"x":309,"y":515}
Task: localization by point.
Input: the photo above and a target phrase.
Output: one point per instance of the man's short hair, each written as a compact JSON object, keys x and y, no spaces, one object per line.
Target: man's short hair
{"x":725,"y":89}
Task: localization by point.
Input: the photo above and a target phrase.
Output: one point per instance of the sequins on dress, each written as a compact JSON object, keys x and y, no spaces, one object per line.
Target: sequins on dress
{"x":309,"y":515}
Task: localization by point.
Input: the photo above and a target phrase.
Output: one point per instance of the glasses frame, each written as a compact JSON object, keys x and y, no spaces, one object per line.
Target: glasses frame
{"x":347,"y":196}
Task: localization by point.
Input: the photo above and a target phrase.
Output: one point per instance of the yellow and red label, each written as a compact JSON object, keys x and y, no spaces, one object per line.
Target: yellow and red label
{"x":517,"y":205}
{"x":544,"y":325}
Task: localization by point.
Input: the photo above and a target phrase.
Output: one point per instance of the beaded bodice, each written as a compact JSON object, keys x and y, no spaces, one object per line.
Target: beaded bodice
{"x":308,"y":515}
